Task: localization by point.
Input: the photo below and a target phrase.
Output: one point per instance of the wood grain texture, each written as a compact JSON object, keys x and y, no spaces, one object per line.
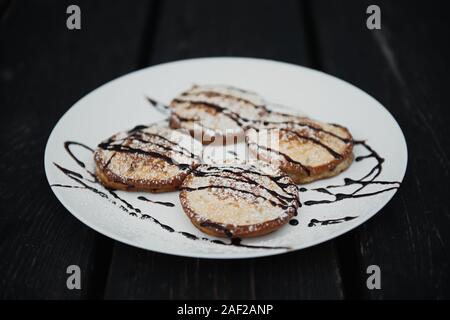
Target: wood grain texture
{"x":44,"y":69}
{"x":206,"y":28}
{"x":405,"y":66}
{"x":4,"y":8}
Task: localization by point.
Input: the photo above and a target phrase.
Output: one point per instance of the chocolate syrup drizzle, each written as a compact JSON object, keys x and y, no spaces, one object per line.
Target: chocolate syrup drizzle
{"x":315,"y":222}
{"x":167,"y":204}
{"x":81,"y":182}
{"x":147,"y":138}
{"x":239,"y":175}
{"x":137,"y":133}
{"x":258,"y":124}
{"x":363,"y":182}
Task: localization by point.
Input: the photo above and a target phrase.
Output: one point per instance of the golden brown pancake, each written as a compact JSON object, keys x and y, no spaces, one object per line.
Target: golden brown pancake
{"x":215,"y":112}
{"x":305,"y":149}
{"x":238,"y":200}
{"x":151,"y":158}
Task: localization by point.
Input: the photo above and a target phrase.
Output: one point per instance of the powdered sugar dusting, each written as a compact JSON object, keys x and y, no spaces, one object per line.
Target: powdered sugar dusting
{"x":148,"y":154}
{"x":248,"y":195}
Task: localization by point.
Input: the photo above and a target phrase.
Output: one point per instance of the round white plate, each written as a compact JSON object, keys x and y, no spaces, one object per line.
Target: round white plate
{"x":121,"y":104}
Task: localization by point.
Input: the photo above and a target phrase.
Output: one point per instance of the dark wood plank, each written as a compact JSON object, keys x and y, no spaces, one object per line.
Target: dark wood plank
{"x":241,"y":28}
{"x":44,"y":69}
{"x":4,"y":6}
{"x":405,"y":66}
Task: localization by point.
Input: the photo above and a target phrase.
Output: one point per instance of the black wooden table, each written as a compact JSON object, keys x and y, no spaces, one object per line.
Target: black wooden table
{"x":45,"y":68}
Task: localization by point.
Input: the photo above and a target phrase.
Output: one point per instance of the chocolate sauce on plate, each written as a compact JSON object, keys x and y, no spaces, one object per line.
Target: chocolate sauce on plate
{"x":363,"y":182}
{"x":167,"y":204}
{"x":137,"y":133}
{"x":81,"y":182}
{"x":315,"y":222}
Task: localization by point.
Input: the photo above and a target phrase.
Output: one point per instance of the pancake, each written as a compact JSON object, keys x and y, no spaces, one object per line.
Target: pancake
{"x":305,"y":149}
{"x":216,"y":112}
{"x":238,"y":200}
{"x":150,"y":158}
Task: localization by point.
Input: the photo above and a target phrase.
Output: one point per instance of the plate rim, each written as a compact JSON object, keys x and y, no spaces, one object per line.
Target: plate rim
{"x":247,"y":255}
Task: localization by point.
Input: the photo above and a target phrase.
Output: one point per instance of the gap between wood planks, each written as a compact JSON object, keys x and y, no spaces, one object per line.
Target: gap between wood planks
{"x":5,"y":5}
{"x":105,"y":246}
{"x":348,"y":263}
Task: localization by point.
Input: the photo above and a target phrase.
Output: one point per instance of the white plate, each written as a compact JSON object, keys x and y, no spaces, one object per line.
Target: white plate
{"x":121,"y":104}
